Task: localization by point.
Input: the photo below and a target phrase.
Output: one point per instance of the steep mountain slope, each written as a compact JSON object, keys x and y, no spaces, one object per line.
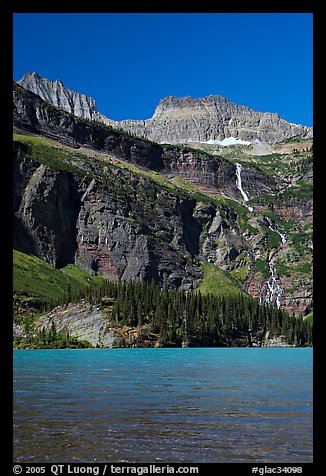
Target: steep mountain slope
{"x":131,"y":209}
{"x":178,"y":120}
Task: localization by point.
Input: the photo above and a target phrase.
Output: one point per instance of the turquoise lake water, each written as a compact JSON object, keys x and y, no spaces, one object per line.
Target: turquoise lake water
{"x":163,"y":405}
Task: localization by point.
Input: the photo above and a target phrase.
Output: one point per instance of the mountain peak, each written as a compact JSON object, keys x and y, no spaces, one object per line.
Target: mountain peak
{"x":57,"y":94}
{"x":178,"y":119}
{"x":30,"y":74}
{"x":189,"y":101}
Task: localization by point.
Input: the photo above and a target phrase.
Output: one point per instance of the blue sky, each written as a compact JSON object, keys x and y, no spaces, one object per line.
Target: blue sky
{"x":128,"y":61}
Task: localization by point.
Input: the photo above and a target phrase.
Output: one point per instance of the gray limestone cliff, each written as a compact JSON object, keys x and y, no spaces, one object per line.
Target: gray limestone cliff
{"x":213,"y":118}
{"x":83,"y":321}
{"x":178,"y":120}
{"x":55,"y":93}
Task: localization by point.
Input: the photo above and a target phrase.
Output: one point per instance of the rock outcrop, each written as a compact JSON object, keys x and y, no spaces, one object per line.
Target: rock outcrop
{"x":82,"y":321}
{"x":92,"y":324}
{"x":55,"y":93}
{"x":178,"y":120}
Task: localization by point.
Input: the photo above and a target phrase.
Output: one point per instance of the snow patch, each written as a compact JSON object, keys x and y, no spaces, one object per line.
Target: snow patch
{"x":228,"y":141}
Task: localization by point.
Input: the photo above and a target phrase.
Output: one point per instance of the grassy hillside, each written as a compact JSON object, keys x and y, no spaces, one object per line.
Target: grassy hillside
{"x":38,"y":280}
{"x":217,"y":282}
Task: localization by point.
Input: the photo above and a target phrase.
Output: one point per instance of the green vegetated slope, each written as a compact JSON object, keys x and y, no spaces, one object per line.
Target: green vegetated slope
{"x":42,"y":283}
{"x":218,"y":282}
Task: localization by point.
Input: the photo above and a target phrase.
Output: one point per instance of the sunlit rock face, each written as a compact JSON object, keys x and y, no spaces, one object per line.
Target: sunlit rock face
{"x":212,"y":119}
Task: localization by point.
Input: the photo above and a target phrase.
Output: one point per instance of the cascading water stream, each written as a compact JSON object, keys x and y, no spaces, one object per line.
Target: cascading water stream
{"x":274,"y":289}
{"x":239,"y":186}
{"x":276,"y":231}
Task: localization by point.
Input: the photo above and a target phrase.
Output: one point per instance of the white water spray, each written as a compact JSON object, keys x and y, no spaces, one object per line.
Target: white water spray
{"x":274,"y":289}
{"x":276,"y":231}
{"x":239,"y":186}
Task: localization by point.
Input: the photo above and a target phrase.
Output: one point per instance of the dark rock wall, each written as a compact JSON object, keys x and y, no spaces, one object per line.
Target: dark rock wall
{"x":65,"y":218}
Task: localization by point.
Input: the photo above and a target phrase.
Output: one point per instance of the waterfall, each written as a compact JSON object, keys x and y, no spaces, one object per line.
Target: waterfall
{"x":239,"y":185}
{"x":282,"y":237}
{"x":274,"y":289}
{"x":239,"y":182}
{"x":276,"y":231}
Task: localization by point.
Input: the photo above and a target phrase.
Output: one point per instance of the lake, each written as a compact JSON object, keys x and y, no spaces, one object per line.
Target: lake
{"x":200,"y":405}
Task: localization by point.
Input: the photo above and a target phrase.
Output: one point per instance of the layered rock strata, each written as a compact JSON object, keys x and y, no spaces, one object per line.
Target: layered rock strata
{"x":178,"y":120}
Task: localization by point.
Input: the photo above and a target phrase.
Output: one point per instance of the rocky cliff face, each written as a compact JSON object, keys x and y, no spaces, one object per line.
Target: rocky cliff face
{"x":83,"y":321}
{"x":45,"y":225}
{"x":212,"y":118}
{"x":178,"y":120}
{"x":106,"y":226}
{"x":55,"y":93}
{"x":113,"y":204}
